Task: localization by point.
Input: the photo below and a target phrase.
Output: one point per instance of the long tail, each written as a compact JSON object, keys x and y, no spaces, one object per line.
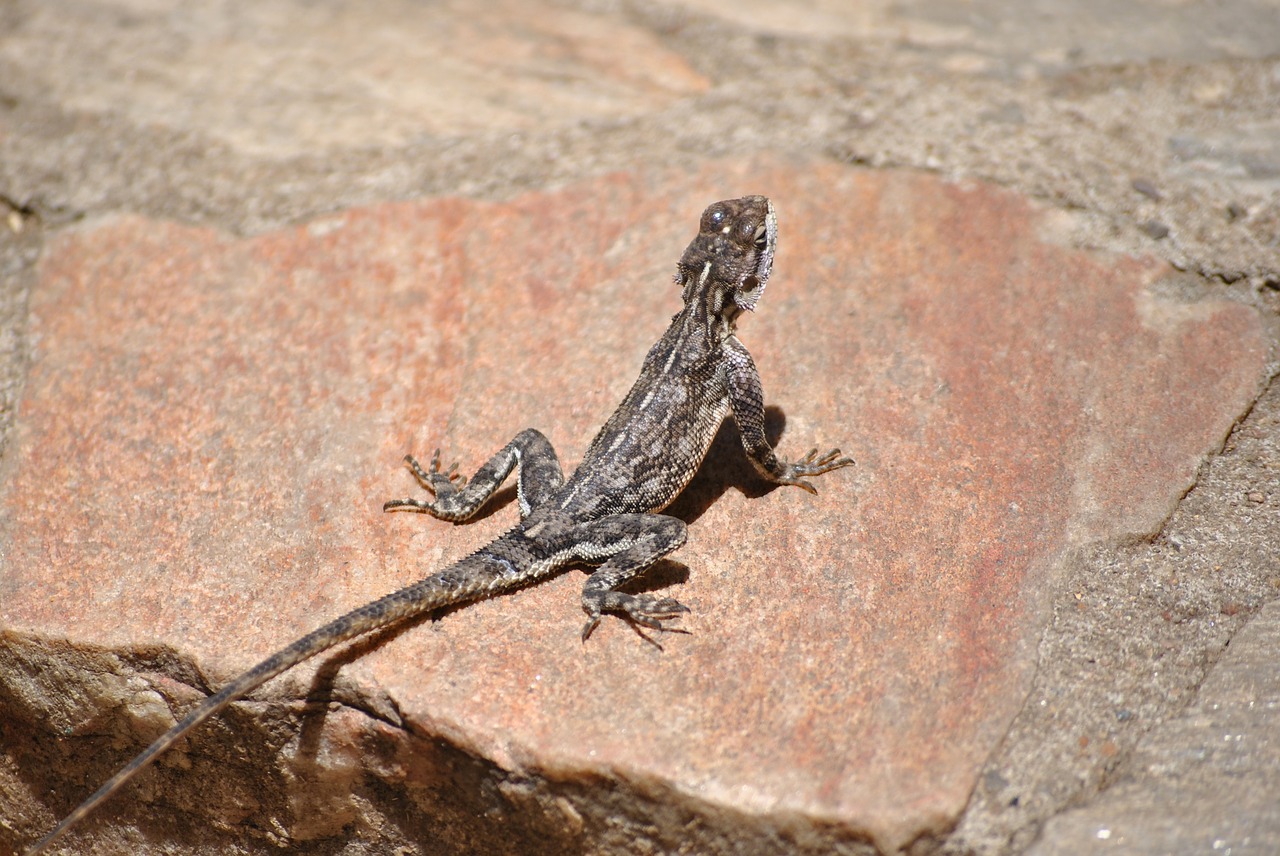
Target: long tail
{"x":467,"y":579}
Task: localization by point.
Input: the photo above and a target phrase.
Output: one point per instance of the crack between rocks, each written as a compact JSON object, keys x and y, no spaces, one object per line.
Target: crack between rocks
{"x":1115,"y":768}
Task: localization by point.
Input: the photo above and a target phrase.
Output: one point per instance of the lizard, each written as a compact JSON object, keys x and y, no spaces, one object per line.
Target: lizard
{"x":606,"y":514}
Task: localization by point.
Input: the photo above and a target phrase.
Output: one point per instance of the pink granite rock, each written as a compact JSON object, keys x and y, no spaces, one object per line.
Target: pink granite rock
{"x":212,"y":423}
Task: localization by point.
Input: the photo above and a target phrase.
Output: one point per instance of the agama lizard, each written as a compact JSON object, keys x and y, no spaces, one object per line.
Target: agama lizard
{"x":604,"y":515}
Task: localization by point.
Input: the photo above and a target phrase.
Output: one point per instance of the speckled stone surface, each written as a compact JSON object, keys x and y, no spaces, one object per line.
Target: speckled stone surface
{"x":1188,"y":772}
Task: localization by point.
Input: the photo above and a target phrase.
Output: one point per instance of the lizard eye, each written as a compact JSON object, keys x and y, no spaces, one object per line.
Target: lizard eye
{"x":762,"y":239}
{"x":713,"y":219}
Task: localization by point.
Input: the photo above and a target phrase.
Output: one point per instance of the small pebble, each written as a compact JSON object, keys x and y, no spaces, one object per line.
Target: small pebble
{"x":1257,"y":497}
{"x":1146,"y":188}
{"x":1154,"y":229}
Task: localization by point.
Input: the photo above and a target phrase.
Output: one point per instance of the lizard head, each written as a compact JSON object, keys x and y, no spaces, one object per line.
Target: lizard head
{"x":727,"y":265}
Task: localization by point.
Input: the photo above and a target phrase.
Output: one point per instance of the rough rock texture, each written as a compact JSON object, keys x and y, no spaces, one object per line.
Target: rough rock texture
{"x":1186,"y":774}
{"x":259,"y":80}
{"x":211,"y":424}
{"x":193,"y":177}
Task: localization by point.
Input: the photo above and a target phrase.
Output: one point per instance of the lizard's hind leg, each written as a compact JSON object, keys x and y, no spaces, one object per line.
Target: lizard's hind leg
{"x":456,"y":499}
{"x":628,"y":544}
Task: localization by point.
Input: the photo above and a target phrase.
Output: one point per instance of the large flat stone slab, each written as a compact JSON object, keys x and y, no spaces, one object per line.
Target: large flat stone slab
{"x":211,"y":425}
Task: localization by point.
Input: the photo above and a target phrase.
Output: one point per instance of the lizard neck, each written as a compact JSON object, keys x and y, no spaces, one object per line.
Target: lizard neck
{"x":710,"y":313}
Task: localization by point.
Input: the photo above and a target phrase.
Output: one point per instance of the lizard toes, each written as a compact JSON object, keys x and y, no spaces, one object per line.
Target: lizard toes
{"x":800,"y":483}
{"x":640,"y":610}
{"x":653,"y":611}
{"x":591,"y":624}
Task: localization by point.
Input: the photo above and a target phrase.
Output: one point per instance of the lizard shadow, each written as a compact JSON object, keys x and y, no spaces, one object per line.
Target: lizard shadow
{"x":726,"y":466}
{"x":326,"y":687}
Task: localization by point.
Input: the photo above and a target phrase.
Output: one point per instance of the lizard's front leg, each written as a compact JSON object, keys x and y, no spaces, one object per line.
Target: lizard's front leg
{"x":746,"y":400}
{"x":456,"y":499}
{"x":628,"y":544}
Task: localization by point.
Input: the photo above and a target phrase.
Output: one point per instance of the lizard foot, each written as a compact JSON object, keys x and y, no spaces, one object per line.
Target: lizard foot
{"x":441,"y":483}
{"x":813,"y":464}
{"x":640,"y":609}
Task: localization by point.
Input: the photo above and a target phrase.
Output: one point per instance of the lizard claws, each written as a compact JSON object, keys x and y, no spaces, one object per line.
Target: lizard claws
{"x":432,"y":478}
{"x":813,"y":464}
{"x":642,"y":611}
{"x":438,"y":479}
